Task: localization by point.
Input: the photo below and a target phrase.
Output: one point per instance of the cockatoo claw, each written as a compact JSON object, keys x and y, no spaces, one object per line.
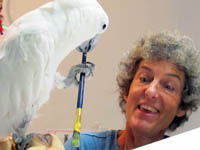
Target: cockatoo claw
{"x":87,"y":69}
{"x":24,"y":142}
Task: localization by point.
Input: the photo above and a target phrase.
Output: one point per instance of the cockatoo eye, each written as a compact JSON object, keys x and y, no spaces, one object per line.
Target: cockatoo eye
{"x":104,"y":26}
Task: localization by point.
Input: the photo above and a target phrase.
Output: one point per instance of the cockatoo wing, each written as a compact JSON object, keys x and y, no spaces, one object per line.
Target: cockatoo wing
{"x":25,"y":79}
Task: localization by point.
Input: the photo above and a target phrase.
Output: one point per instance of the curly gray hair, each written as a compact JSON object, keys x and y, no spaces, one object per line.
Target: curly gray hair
{"x":171,"y":46}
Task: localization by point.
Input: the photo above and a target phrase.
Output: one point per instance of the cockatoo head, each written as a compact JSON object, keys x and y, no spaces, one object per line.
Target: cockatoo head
{"x":96,"y":24}
{"x":86,"y":19}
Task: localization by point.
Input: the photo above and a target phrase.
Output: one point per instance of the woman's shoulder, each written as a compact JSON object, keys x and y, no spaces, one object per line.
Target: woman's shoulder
{"x":96,"y":140}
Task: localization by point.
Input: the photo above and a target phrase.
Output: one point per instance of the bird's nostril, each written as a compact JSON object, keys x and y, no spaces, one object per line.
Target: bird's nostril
{"x":104,"y":26}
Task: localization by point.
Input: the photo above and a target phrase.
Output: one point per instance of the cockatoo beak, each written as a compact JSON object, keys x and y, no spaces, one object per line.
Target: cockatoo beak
{"x":88,"y":45}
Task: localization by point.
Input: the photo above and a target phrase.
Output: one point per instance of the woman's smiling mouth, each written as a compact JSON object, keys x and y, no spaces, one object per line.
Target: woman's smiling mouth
{"x":147,"y":109}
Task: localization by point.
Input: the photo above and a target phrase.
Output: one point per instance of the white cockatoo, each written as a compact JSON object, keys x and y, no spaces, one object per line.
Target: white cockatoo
{"x":34,"y":46}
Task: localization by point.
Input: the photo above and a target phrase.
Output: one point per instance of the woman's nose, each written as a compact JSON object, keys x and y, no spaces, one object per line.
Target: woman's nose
{"x":152,"y":90}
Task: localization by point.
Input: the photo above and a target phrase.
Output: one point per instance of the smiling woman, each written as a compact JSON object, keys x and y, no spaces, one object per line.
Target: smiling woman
{"x":159,"y":85}
{"x":153,"y":100}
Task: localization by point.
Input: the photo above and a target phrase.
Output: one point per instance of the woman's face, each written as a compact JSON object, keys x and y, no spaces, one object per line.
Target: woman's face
{"x":154,"y":97}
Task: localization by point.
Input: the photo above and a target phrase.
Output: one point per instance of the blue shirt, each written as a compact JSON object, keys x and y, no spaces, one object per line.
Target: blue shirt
{"x":106,"y":140}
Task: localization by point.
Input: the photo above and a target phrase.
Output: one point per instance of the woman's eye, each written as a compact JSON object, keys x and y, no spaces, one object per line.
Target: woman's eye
{"x":169,"y":87}
{"x":144,"y":79}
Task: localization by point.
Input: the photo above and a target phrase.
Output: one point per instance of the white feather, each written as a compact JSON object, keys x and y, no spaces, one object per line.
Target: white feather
{"x":34,"y":46}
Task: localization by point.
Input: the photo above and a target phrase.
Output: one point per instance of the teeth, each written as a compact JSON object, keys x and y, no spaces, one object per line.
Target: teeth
{"x":149,"y":108}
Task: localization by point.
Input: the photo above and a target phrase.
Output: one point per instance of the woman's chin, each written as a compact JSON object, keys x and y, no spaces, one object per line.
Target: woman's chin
{"x":142,"y":126}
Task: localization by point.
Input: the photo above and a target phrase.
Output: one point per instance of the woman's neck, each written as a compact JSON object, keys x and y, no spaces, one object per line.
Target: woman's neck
{"x":128,"y":139}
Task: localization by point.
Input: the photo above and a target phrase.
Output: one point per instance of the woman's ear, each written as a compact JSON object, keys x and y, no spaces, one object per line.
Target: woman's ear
{"x":125,"y":98}
{"x":181,"y":112}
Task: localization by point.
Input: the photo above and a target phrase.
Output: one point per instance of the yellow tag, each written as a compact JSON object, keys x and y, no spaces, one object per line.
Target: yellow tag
{"x":77,"y":125}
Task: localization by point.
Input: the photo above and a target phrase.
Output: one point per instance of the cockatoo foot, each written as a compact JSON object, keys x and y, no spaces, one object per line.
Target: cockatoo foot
{"x":87,"y":69}
{"x":24,"y":142}
{"x":71,"y":78}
